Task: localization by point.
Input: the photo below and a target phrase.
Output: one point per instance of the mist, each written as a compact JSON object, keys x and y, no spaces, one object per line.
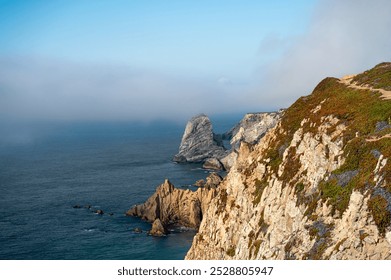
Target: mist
{"x":343,"y":37}
{"x":46,"y":89}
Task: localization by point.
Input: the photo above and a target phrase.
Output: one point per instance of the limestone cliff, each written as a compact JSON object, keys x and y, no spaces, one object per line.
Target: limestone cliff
{"x":316,"y":186}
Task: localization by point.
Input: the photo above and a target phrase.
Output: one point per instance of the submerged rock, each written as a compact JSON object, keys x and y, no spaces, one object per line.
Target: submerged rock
{"x":137,"y":230}
{"x":99,"y":212}
{"x":199,"y":142}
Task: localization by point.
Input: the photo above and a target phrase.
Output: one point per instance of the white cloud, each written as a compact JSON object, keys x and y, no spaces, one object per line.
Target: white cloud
{"x":344,"y":37}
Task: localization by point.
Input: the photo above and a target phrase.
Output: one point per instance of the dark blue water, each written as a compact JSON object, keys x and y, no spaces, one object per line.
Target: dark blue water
{"x":47,"y":170}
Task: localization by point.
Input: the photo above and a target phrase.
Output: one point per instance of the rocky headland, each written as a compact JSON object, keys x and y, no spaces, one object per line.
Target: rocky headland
{"x":314,"y":185}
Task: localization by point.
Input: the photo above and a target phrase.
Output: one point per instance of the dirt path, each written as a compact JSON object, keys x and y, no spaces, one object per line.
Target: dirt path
{"x":385,"y":94}
{"x":378,"y":138}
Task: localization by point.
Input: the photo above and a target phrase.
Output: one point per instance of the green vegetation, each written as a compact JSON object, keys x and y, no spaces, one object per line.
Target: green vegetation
{"x":317,"y":251}
{"x":338,"y":245}
{"x":257,"y":245}
{"x":223,"y":201}
{"x":337,"y":196}
{"x":378,"y":206}
{"x":231,"y":251}
{"x":263,"y":226}
{"x":377,"y":77}
{"x":360,"y":111}
{"x":259,"y":188}
{"x":299,"y":187}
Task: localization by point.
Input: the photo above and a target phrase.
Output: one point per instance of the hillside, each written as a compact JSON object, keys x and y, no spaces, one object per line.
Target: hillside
{"x":316,"y":186}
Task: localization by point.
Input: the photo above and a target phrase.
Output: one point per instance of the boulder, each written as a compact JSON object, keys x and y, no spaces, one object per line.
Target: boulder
{"x":213,"y":180}
{"x":200,"y":183}
{"x":213,"y":163}
{"x":229,"y":160}
{"x":157,"y":228}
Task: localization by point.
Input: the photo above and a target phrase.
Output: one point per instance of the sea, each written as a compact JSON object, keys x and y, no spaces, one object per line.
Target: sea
{"x":46,"y":169}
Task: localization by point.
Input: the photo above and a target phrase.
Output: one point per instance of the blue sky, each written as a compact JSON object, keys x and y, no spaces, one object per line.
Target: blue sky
{"x":172,"y":59}
{"x":209,"y":37}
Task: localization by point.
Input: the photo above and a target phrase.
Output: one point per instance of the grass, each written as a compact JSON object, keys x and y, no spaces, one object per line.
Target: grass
{"x":359,"y":111}
{"x":259,"y":188}
{"x":378,"y":206}
{"x":377,"y":77}
{"x":336,"y":195}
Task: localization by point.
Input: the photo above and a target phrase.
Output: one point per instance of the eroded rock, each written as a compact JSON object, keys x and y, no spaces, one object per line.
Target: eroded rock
{"x":157,"y":228}
{"x":177,"y":206}
{"x":199,"y":142}
{"x":213,"y":163}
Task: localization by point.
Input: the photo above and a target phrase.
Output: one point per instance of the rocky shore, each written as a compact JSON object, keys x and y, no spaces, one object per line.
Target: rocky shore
{"x":174,"y":206}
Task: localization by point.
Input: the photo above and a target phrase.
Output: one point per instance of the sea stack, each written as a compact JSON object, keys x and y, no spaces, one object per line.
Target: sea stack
{"x":199,"y":143}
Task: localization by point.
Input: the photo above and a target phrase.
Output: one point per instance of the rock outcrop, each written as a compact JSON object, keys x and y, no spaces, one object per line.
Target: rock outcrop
{"x":316,"y":186}
{"x":157,"y":228}
{"x":199,"y":142}
{"x":252,"y":128}
{"x":177,"y":206}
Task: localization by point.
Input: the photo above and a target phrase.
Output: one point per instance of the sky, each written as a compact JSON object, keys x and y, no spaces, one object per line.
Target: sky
{"x":147,"y":60}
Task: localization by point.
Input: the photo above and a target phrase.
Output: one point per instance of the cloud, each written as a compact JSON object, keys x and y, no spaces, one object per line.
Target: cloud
{"x":344,"y":37}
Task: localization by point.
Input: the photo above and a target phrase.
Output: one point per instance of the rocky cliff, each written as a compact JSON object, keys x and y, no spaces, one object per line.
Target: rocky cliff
{"x":316,"y":186}
{"x":250,"y":130}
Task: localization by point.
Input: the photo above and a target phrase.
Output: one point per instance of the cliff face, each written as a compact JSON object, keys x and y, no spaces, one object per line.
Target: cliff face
{"x":252,"y":128}
{"x":316,"y":186}
{"x":249,"y":130}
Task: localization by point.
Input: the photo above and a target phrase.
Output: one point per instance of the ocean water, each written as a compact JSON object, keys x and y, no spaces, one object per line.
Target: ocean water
{"x":47,"y":170}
